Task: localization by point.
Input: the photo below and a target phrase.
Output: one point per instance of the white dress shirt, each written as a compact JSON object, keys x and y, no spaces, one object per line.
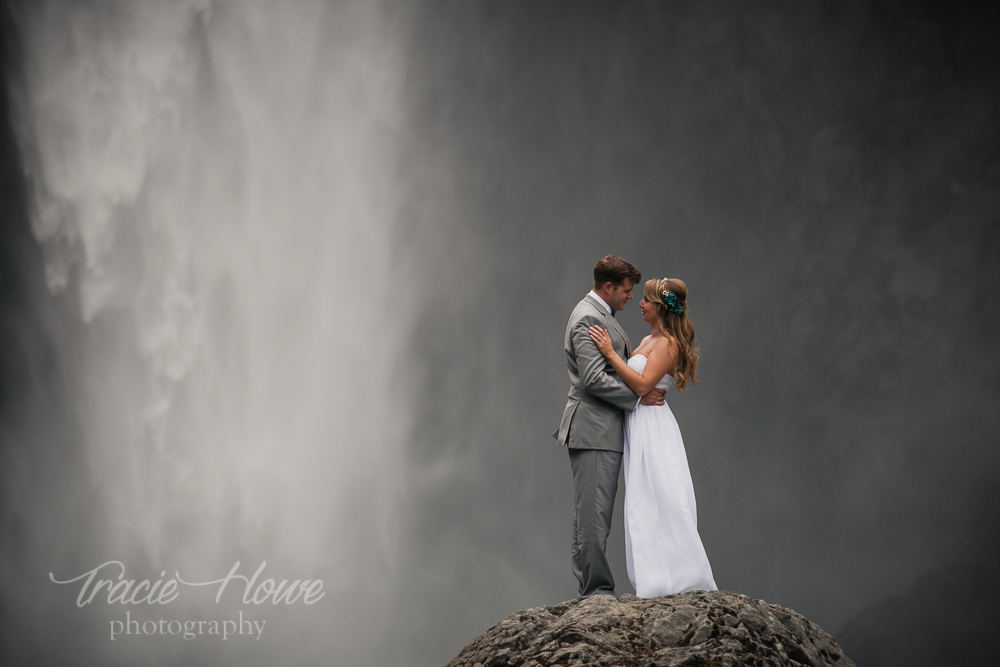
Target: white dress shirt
{"x":601,"y":301}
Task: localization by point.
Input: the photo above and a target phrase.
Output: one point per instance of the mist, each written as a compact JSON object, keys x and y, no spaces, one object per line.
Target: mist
{"x":288,"y":284}
{"x":210,"y":188}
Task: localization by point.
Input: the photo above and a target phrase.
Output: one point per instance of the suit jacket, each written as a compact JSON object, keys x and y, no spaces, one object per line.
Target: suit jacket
{"x":598,"y":398}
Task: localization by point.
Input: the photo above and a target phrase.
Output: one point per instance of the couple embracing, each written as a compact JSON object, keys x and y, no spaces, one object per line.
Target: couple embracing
{"x":615,"y":414}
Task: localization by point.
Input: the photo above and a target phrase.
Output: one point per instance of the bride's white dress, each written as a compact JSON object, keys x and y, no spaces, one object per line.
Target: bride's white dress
{"x":663,"y":550}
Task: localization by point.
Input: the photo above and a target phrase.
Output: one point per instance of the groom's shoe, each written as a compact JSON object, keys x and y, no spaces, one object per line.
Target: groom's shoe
{"x":599,"y":591}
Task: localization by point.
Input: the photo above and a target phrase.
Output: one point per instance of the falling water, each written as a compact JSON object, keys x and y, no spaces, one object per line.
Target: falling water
{"x":211,"y":184}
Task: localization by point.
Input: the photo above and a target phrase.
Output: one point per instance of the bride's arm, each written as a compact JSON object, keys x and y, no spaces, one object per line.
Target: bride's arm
{"x":658,"y":361}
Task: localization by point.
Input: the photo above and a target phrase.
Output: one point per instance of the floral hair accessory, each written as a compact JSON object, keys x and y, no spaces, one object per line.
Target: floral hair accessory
{"x":671,"y":300}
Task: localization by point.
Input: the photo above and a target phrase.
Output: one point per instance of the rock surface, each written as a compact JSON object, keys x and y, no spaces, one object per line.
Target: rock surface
{"x":697,"y":628}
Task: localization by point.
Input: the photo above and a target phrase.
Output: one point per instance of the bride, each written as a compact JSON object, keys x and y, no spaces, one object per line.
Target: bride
{"x":663,"y":551}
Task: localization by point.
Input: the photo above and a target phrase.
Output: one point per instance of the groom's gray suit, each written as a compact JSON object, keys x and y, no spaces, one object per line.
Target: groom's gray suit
{"x":593,"y":428}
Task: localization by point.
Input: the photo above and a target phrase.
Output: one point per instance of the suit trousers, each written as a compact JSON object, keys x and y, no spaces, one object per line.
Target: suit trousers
{"x":595,"y":483}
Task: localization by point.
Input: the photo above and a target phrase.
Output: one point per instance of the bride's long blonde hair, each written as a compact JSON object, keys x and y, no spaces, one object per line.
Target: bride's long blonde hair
{"x":670,"y":297}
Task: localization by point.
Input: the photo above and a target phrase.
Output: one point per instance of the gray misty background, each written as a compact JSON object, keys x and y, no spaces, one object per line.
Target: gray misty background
{"x":826,"y":179}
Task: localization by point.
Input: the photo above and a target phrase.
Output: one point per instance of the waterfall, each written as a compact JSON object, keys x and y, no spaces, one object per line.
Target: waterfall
{"x":212,"y":187}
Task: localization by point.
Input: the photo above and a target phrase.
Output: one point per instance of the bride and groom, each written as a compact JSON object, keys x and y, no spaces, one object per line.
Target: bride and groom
{"x":615,"y":411}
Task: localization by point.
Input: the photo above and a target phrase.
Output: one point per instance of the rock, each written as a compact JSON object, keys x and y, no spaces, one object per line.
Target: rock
{"x":715,"y":628}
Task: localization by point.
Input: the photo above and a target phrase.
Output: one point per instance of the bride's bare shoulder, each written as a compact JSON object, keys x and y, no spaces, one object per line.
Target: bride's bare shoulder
{"x":660,"y":343}
{"x":643,"y":346}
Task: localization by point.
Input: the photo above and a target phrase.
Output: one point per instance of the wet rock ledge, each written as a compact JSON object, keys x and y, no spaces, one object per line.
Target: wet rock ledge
{"x":708,"y":629}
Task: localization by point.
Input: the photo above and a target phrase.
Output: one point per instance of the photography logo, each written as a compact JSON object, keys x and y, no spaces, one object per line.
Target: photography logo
{"x":252,"y":590}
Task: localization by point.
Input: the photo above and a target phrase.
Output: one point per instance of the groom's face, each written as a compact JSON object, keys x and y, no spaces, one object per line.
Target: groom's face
{"x":620,"y":295}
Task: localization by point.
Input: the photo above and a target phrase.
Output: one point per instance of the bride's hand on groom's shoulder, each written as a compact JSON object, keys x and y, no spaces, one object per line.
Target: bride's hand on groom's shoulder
{"x":602,"y":340}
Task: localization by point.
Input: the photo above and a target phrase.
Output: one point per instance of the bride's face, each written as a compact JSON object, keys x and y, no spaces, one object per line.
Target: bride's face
{"x":648,"y":311}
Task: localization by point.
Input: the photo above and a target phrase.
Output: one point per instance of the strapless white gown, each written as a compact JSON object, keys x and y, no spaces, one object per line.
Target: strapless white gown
{"x":663,"y":550}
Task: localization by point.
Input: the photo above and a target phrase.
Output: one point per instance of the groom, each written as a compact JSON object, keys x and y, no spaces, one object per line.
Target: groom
{"x":592,"y":424}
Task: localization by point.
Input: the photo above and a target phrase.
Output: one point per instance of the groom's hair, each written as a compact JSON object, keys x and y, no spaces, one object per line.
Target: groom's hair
{"x":615,"y":270}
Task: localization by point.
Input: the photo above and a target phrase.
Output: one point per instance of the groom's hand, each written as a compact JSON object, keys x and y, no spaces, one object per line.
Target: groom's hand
{"x":654,"y":397}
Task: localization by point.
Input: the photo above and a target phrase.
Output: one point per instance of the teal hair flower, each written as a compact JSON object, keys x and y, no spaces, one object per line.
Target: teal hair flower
{"x":673,"y":306}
